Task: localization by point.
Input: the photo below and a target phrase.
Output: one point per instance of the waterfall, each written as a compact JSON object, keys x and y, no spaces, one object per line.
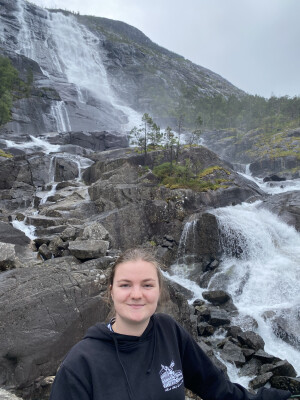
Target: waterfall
{"x":261,"y":271}
{"x":188,"y":233}
{"x":84,"y":67}
{"x":185,"y":262}
{"x":69,"y":52}
{"x":35,"y":142}
{"x":60,"y":114}
{"x":29,"y":230}
{"x":272,"y":187}
{"x":24,"y":38}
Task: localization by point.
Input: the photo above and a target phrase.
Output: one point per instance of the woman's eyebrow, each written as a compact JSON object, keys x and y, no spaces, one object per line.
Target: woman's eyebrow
{"x":144,"y":280}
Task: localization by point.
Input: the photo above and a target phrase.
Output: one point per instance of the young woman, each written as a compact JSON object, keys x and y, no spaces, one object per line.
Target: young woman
{"x":141,"y":355}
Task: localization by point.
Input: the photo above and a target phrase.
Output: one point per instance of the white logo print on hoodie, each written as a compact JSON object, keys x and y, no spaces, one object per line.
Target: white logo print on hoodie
{"x":170,"y":379}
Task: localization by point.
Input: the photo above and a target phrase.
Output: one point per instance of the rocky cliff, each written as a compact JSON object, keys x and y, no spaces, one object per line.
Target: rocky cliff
{"x":91,"y":73}
{"x":267,"y":154}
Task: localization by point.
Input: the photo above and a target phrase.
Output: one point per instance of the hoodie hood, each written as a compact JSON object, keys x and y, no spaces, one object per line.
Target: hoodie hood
{"x":100,"y":331}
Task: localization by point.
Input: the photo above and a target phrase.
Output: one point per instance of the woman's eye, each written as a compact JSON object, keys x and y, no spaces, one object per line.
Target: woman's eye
{"x":124,"y":285}
{"x":148,"y":285}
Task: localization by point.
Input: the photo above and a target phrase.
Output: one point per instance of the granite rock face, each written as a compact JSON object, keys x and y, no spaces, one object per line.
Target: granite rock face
{"x":286,"y":206}
{"x":122,"y":73}
{"x":277,"y":154}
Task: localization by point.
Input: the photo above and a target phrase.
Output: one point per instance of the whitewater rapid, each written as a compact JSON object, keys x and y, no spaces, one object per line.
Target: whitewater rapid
{"x":260,"y":268}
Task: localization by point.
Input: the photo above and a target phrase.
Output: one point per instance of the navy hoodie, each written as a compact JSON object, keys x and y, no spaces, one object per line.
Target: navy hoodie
{"x":155,"y":366}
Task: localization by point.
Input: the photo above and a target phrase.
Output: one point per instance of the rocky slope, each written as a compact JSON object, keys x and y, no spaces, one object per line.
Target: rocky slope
{"x":54,"y":287}
{"x":267,"y":154}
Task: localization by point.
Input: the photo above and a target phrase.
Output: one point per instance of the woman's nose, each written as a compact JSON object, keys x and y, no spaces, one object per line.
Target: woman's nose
{"x":136,"y":292}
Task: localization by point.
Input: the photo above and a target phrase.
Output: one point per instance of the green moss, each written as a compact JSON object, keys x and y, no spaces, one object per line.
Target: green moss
{"x":6,"y":155}
{"x":211,"y":170}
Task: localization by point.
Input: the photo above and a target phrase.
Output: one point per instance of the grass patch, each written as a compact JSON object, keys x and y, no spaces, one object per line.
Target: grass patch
{"x":6,"y":155}
{"x":175,"y":176}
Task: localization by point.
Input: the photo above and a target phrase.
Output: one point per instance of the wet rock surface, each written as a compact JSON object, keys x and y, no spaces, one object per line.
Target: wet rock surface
{"x":286,"y":206}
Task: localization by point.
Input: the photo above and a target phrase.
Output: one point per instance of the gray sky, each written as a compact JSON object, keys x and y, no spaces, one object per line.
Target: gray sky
{"x":252,"y":43}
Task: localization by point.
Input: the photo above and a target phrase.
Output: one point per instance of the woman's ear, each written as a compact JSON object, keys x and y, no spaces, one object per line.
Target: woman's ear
{"x":110,"y":288}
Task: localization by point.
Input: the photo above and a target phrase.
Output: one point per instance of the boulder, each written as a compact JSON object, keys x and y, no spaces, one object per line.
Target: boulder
{"x":205,"y":329}
{"x":202,"y":240}
{"x":219,"y":318}
{"x":265,"y":357}
{"x":233,"y":354}
{"x":203,"y":312}
{"x":260,"y":380}
{"x":86,"y":249}
{"x":45,"y":252}
{"x":65,"y":169}
{"x":286,"y":383}
{"x":251,"y":368}
{"x":9,"y":234}
{"x":8,"y":257}
{"x":283,"y":368}
{"x":216,"y":297}
{"x":274,"y":178}
{"x":94,"y":231}
{"x":251,"y":339}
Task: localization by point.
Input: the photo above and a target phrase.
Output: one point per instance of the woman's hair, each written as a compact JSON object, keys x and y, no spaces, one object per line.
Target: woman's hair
{"x":136,"y":254}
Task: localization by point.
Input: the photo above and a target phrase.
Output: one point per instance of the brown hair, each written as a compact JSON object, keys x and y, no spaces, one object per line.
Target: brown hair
{"x":136,"y":254}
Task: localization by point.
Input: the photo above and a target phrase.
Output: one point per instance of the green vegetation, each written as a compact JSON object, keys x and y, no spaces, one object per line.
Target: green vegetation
{"x":243,"y":113}
{"x":11,"y":87}
{"x":8,"y":80}
{"x":6,"y":155}
{"x":148,"y":137}
{"x":182,"y":177}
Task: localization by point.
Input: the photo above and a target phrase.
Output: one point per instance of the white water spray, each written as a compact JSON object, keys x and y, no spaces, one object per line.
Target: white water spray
{"x":5,"y":395}
{"x":272,"y":187}
{"x":60,"y":114}
{"x":261,"y":270}
{"x":36,"y":143}
{"x":29,"y":230}
{"x":84,"y":67}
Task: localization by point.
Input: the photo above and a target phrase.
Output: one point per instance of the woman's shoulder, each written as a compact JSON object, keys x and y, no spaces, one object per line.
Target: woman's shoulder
{"x":167,"y":320}
{"x":97,"y":336}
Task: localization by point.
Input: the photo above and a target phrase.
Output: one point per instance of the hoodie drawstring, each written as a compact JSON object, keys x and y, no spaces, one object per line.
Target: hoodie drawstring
{"x":154,"y":348}
{"x":129,"y":390}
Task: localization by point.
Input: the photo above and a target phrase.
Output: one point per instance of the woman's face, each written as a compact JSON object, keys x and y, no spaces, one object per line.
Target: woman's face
{"x":135,"y":293}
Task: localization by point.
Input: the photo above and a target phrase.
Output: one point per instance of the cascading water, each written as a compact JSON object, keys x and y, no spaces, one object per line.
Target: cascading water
{"x":60,"y":114}
{"x":261,"y":270}
{"x":35,"y":143}
{"x":68,"y":52}
{"x":85,"y":68}
{"x":271,"y":187}
{"x":29,"y":230}
{"x":185,"y":262}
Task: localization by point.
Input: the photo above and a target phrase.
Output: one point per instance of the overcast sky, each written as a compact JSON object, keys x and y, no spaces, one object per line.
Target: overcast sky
{"x":255,"y":44}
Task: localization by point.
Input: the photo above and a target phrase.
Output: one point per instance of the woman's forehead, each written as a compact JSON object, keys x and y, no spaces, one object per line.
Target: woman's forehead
{"x":138,"y":268}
